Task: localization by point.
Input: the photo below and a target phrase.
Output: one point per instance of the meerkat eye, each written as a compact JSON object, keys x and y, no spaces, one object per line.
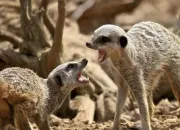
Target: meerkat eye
{"x":104,"y":39}
{"x":70,"y":66}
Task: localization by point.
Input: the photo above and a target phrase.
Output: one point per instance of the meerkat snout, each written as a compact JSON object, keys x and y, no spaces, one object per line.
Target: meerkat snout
{"x":69,"y":73}
{"x":84,"y":62}
{"x":89,"y":45}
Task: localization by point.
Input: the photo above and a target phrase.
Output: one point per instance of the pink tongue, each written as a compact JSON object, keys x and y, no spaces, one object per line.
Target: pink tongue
{"x":101,"y":55}
{"x":82,"y":78}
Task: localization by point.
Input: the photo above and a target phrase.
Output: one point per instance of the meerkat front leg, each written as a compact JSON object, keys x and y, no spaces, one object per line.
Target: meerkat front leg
{"x":150,"y":103}
{"x":42,"y":124}
{"x":21,"y":118}
{"x":5,"y":114}
{"x":121,"y":98}
{"x":121,"y":94}
{"x":140,"y":94}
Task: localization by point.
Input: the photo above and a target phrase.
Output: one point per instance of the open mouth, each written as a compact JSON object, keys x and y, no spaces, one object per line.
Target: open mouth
{"x":101,"y":55}
{"x":82,"y":78}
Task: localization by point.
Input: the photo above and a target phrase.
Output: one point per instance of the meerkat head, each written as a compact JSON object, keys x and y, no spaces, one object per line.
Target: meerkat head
{"x":69,"y":74}
{"x":107,"y":39}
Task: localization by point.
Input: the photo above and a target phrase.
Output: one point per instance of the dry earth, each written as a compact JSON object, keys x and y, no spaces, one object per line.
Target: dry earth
{"x":166,"y":118}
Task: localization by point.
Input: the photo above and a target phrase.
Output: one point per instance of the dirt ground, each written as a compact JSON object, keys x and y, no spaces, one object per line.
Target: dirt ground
{"x":167,"y":117}
{"x":164,"y":123}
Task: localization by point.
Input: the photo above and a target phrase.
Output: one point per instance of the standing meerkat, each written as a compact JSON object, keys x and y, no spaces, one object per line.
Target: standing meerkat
{"x":136,"y":60}
{"x":26,"y":98}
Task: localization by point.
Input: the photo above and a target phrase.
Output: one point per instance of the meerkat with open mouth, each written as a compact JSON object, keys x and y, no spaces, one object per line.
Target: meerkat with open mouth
{"x":136,"y":60}
{"x":27,"y":98}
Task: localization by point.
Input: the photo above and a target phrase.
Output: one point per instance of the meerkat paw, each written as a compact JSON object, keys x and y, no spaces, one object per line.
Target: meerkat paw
{"x":137,"y":126}
{"x":114,"y":129}
{"x":175,"y":112}
{"x":10,"y":127}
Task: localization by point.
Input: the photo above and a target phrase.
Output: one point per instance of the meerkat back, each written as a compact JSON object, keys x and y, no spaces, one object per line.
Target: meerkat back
{"x":153,"y":35}
{"x":19,"y":84}
{"x":158,"y":45}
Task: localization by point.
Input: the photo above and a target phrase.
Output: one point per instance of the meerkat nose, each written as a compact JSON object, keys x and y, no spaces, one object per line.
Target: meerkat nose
{"x":85,"y":61}
{"x":88,"y":44}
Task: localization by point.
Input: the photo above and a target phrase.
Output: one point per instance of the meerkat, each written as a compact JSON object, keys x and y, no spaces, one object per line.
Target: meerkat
{"x":136,"y":60}
{"x":26,"y":98}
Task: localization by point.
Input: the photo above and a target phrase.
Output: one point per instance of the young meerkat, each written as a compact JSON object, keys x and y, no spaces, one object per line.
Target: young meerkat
{"x":136,"y":60}
{"x":26,"y":98}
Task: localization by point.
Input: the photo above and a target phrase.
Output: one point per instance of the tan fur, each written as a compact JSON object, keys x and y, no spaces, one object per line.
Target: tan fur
{"x":13,"y":94}
{"x":174,"y":88}
{"x":26,"y":98}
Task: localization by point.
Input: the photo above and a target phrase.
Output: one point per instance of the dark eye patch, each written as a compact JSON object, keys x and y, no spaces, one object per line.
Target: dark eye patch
{"x":103,"y":39}
{"x":58,"y":80}
{"x":70,"y":66}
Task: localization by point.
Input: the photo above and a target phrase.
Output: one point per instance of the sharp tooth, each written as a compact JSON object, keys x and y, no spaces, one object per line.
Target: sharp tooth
{"x":81,"y":79}
{"x":101,"y":55}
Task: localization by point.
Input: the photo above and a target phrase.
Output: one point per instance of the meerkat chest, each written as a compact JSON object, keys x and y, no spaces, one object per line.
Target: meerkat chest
{"x":116,"y":59}
{"x":120,"y":62}
{"x":115,"y":67}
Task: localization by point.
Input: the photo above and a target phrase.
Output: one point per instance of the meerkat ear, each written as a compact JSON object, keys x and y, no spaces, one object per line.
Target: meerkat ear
{"x":58,"y":80}
{"x":123,"y":41}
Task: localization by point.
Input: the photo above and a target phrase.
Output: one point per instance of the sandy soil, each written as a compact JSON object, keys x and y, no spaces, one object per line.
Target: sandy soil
{"x":160,"y":122}
{"x":166,"y":118}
